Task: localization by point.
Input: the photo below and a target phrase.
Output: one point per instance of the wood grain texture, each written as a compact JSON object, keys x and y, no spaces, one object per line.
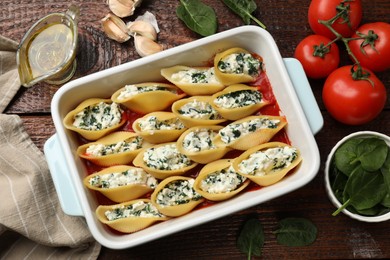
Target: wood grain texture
{"x":338,"y":237}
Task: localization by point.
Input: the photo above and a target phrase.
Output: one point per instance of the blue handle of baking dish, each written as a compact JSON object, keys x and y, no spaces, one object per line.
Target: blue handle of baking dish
{"x":60,"y":173}
{"x":305,"y":94}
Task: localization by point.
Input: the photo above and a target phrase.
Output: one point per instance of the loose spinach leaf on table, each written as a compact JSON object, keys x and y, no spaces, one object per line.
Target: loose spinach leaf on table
{"x":251,"y":238}
{"x":363,"y":190}
{"x":197,"y":16}
{"x":244,"y":8}
{"x":296,"y":232}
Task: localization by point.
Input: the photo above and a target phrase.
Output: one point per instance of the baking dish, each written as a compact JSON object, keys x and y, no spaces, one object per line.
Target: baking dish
{"x":302,"y":113}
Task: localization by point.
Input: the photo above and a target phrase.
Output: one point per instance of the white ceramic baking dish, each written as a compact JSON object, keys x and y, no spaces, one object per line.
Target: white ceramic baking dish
{"x":303,"y":116}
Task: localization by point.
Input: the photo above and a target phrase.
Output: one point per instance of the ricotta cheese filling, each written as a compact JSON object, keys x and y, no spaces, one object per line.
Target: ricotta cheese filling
{"x":138,"y":209}
{"x":241,"y":98}
{"x":166,"y":158}
{"x":225,"y":180}
{"x":151,"y":123}
{"x":199,"y":110}
{"x":177,"y":193}
{"x":98,"y":117}
{"x":199,"y":140}
{"x":232,"y":132}
{"x":128,"y":177}
{"x":132,"y":90}
{"x":130,"y":144}
{"x":240,"y":63}
{"x":196,"y":76}
{"x":268,"y":161}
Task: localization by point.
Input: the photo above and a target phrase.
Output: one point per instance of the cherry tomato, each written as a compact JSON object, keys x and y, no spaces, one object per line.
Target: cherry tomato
{"x":353,"y":102}
{"x":376,"y":51}
{"x":327,"y":9}
{"x":317,"y":66}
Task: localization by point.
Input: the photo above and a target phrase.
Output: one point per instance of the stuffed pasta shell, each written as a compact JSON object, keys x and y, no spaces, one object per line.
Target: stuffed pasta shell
{"x":131,"y":216}
{"x":238,"y":101}
{"x":198,"y":145}
{"x":116,"y":148}
{"x":219,"y":181}
{"x":175,"y":196}
{"x":237,"y":65}
{"x":147,"y":97}
{"x":121,"y":182}
{"x":193,"y":80}
{"x":197,"y":110}
{"x":250,"y":131}
{"x":163,"y":160}
{"x":159,"y":127}
{"x":268,"y":163}
{"x":94,"y":118}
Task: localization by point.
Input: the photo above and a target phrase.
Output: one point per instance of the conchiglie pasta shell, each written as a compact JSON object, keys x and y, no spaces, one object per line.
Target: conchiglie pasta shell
{"x":192,"y":89}
{"x":257,"y":137}
{"x":203,"y":156}
{"x":239,"y":112}
{"x":176,"y":210}
{"x":212,"y":167}
{"x":121,"y":193}
{"x":115,"y":158}
{"x":160,"y":174}
{"x":158,"y":136}
{"x":190,"y":122}
{"x":90,"y":134}
{"x":130,"y":224}
{"x":231,"y":78}
{"x":267,"y":179}
{"x":150,"y":101}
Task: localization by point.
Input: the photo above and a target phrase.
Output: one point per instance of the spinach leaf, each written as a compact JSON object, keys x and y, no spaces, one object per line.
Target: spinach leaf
{"x":296,"y":232}
{"x":197,"y":16}
{"x":385,"y":170}
{"x":372,"y":153}
{"x":244,"y":8}
{"x":251,"y":238}
{"x":338,"y":180}
{"x":363,"y":190}
{"x":346,"y":154}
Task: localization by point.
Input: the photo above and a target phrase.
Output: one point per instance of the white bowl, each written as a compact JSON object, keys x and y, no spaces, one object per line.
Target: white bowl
{"x":65,"y":164}
{"x":332,"y":197}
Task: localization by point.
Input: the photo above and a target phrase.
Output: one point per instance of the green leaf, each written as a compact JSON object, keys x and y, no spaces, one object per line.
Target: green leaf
{"x":372,"y":153}
{"x":197,"y":16}
{"x":296,"y":232}
{"x":345,"y":156}
{"x":251,"y":238}
{"x":244,"y":8}
{"x":385,"y":170}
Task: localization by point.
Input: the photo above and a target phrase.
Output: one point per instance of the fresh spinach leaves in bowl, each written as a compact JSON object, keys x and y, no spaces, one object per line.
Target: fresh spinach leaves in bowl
{"x":357,"y":176}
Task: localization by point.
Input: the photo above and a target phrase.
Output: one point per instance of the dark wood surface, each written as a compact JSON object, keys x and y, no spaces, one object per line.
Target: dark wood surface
{"x":338,"y":237}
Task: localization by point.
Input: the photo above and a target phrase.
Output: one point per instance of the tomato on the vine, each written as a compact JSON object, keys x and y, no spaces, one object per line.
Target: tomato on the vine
{"x":349,"y":16}
{"x":373,"y":51}
{"x":350,"y":101}
{"x":317,"y":59}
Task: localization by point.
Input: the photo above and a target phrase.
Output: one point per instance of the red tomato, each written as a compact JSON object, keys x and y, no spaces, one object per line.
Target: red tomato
{"x":326,"y":10}
{"x":353,"y":102}
{"x":376,"y":57}
{"x":317,"y":67}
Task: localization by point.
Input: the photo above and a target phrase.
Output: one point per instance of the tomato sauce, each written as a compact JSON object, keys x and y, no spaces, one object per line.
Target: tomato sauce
{"x":262,"y":84}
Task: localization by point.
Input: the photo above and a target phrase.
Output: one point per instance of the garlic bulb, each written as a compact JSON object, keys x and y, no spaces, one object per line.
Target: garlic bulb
{"x":123,"y":8}
{"x":145,"y":46}
{"x":115,"y":28}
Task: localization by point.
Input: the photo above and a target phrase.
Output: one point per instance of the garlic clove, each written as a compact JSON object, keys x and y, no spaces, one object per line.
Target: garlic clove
{"x":115,"y":28}
{"x":145,"y":46}
{"x":123,"y":8}
{"x":142,"y":28}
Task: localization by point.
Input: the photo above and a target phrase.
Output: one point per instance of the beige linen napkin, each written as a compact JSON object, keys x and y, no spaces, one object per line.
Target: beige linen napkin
{"x":30,"y":213}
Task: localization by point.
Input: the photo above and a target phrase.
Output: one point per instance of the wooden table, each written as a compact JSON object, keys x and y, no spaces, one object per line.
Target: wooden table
{"x":338,"y":237}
